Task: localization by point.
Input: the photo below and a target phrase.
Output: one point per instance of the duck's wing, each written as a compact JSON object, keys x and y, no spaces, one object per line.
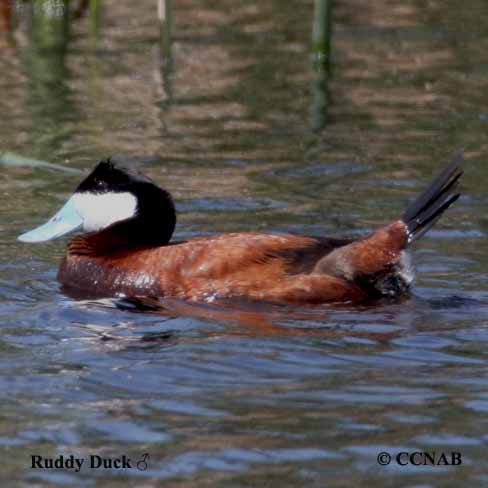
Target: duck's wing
{"x":304,"y":253}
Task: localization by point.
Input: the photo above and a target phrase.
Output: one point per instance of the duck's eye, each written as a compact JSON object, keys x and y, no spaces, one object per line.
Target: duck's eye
{"x":98,"y":185}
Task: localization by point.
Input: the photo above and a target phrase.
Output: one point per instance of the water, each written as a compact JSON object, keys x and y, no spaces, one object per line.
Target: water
{"x":248,"y":136}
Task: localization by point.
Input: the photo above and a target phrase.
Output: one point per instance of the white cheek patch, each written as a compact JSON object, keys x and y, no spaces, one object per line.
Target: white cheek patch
{"x":99,"y":210}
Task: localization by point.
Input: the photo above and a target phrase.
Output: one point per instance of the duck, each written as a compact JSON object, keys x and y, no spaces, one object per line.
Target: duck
{"x":125,"y":248}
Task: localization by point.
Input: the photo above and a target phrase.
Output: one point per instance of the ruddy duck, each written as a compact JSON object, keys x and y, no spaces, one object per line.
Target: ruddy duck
{"x":128,"y":222}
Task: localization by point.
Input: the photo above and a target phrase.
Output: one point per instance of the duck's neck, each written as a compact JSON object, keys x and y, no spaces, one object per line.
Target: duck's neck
{"x":153,"y":226}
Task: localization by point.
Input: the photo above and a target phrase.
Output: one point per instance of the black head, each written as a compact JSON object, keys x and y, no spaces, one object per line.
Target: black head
{"x":126,"y":206}
{"x":127,"y":203}
{"x":107,"y":176}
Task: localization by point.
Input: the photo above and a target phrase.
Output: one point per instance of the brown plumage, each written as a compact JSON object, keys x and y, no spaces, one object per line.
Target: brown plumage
{"x":257,"y":266}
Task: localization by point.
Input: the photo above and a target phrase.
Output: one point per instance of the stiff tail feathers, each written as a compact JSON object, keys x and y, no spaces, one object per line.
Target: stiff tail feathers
{"x":421,"y":215}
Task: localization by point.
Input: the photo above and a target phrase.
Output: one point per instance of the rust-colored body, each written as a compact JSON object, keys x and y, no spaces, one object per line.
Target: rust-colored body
{"x":281,"y":268}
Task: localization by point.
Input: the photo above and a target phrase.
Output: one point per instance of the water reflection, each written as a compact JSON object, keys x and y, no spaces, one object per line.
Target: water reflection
{"x":166,"y":51}
{"x":49,"y":98}
{"x":321,"y":45}
{"x":249,"y":395}
{"x":6,"y":20}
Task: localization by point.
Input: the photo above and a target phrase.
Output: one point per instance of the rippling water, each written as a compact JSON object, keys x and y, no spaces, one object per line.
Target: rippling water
{"x":237,"y":129}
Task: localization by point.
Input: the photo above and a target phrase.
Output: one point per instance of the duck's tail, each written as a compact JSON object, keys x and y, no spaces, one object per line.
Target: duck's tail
{"x":377,"y":261}
{"x":428,"y":207}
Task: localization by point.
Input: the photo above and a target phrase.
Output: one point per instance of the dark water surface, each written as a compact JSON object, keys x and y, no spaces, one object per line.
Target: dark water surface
{"x":247,"y":136}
